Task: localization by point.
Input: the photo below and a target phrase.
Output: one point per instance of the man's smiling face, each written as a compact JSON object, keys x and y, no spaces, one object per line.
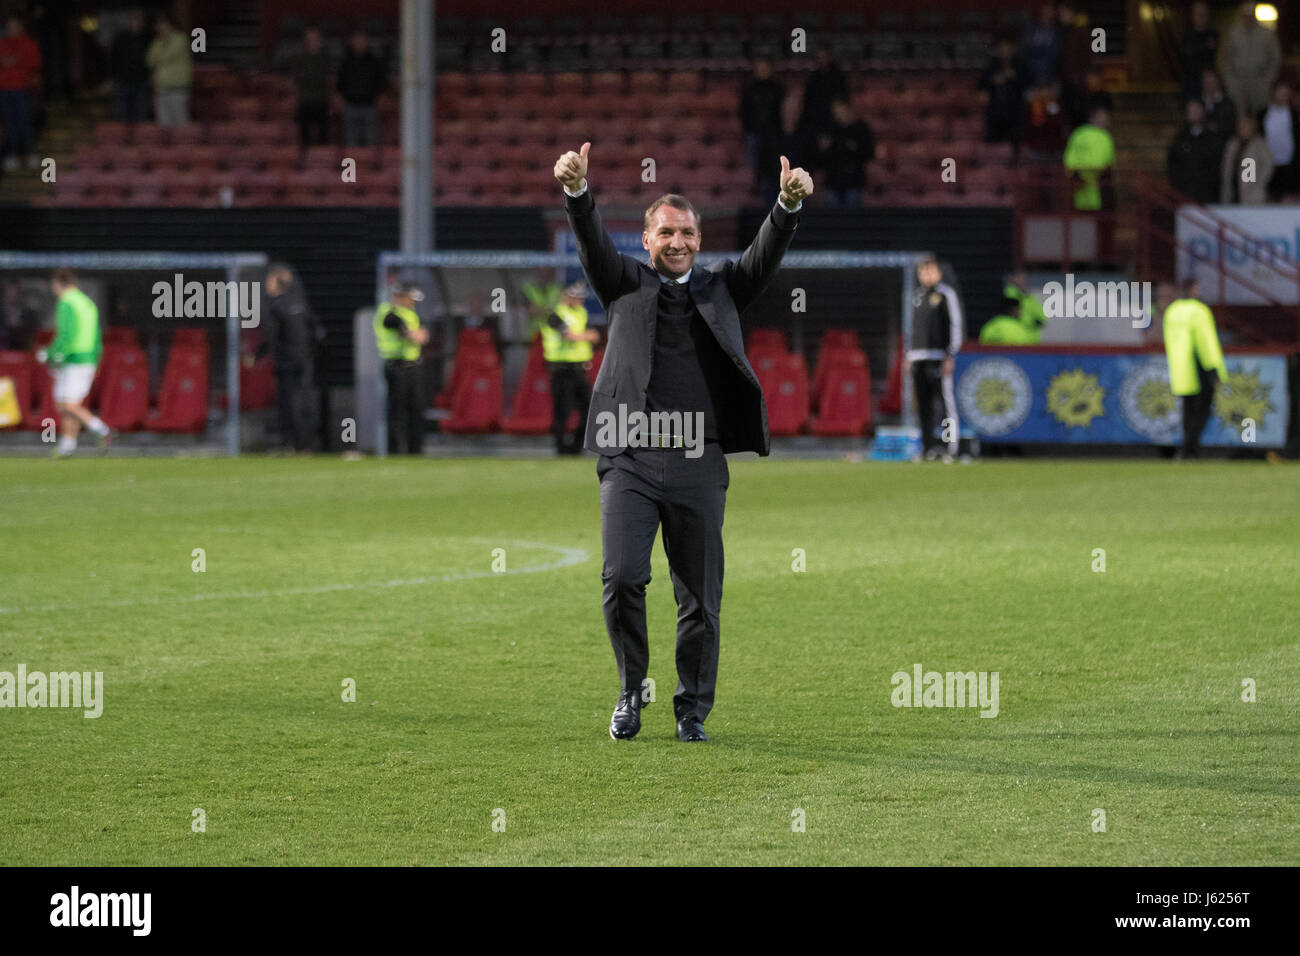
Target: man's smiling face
{"x":672,"y":241}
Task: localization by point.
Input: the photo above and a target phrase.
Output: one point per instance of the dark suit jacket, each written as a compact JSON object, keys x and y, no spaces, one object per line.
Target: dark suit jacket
{"x":629,"y":291}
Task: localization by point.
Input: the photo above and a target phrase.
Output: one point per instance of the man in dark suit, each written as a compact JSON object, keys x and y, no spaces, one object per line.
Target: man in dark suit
{"x":674,"y":358}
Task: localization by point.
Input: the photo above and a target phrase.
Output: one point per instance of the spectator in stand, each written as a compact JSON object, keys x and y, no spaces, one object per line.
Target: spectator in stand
{"x":50,"y":21}
{"x":1199,"y":51}
{"x":1281,"y":126}
{"x":1044,"y":126}
{"x":173,"y":74}
{"x":843,"y":153}
{"x":130,"y":70}
{"x":824,"y":86}
{"x":760,"y":118}
{"x":1041,"y":45}
{"x":1007,"y":328}
{"x":1251,"y":60}
{"x":1247,"y":144}
{"x":1220,"y":114}
{"x":311,"y":75}
{"x":1195,"y":160}
{"x":1004,"y":80}
{"x":1090,"y":157}
{"x":362,"y":79}
{"x":1076,"y":58}
{"x":20,"y":73}
{"x":1031,"y":312}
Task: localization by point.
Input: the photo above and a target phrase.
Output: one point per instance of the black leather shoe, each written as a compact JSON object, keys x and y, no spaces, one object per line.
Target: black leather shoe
{"x":626,"y":721}
{"x":690,"y":730}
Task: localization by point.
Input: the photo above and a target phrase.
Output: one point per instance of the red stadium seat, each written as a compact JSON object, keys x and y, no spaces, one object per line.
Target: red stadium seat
{"x":531,"y":409}
{"x":846,"y":402}
{"x":476,"y":403}
{"x":123,"y":382}
{"x":42,"y":394}
{"x":183,"y":403}
{"x":837,"y":346}
{"x":786,"y":391}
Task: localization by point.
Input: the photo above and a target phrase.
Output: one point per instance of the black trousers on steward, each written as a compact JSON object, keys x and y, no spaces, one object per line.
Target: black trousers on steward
{"x":641,"y":490}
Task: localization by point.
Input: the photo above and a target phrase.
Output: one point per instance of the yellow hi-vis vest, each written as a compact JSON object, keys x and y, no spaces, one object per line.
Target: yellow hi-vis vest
{"x":1190,"y":335}
{"x":555,"y":348}
{"x":392,"y":345}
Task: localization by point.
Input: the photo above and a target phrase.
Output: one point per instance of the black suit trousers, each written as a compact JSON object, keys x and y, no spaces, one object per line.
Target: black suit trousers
{"x":640,"y":491}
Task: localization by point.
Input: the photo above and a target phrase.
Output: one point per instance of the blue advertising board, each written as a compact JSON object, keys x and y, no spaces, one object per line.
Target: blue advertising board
{"x":1014,"y":396}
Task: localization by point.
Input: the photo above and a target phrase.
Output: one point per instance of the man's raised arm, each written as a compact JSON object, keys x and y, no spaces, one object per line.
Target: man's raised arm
{"x":761,"y":260}
{"x":600,"y":259}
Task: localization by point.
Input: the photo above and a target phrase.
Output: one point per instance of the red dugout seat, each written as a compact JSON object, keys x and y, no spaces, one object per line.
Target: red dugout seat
{"x":183,"y":404}
{"x":531,"y":410}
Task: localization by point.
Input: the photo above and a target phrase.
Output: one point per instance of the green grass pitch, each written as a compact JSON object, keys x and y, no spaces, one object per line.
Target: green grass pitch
{"x":479,"y":692}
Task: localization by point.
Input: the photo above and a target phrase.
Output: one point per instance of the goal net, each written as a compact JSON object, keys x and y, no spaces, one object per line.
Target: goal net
{"x":170,"y":377}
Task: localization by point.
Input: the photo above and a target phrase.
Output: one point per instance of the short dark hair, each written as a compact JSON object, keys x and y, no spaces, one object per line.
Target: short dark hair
{"x":674,"y":200}
{"x":1187,"y":287}
{"x":64,"y":277}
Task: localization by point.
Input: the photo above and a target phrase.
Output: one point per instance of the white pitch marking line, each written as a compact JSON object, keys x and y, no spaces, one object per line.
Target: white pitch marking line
{"x":568,"y":558}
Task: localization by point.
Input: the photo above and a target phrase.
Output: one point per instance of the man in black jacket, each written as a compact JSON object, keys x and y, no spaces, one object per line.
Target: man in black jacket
{"x":130,"y":71}
{"x":937,"y":333}
{"x":1195,"y":160}
{"x":760,"y":119}
{"x":675,"y":357}
{"x":292,"y":334}
{"x":843,"y":152}
{"x":362,"y":78}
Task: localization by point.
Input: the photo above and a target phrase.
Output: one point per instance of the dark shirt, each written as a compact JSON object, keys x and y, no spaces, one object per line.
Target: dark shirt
{"x":689,"y":367}
{"x":1005,"y":82}
{"x":126,"y":59}
{"x":1195,"y":164}
{"x":1199,"y":50}
{"x":844,"y":160}
{"x":1042,"y":47}
{"x":292,"y":330}
{"x":822,"y":88}
{"x":760,"y":107}
{"x":361,"y":79}
{"x":311,"y":73}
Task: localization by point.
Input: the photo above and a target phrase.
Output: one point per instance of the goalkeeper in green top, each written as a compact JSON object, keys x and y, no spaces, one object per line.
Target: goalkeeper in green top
{"x":72,"y":358}
{"x":1196,"y":363}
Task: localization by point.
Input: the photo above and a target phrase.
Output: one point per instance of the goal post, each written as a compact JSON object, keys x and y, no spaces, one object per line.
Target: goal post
{"x":127,"y":287}
{"x":870,"y":291}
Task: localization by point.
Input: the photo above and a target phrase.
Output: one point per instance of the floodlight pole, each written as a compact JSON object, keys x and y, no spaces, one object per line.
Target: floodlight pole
{"x":417,"y":157}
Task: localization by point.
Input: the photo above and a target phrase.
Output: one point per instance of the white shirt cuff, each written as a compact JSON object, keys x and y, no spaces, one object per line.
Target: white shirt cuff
{"x":574,"y":195}
{"x":797,"y":206}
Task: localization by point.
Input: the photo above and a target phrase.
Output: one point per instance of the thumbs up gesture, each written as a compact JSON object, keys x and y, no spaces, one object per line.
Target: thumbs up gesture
{"x":571,"y":169}
{"x":796,"y":184}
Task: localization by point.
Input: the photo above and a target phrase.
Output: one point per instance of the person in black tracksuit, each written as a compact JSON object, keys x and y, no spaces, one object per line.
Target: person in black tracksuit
{"x":937,"y":333}
{"x":292,"y":334}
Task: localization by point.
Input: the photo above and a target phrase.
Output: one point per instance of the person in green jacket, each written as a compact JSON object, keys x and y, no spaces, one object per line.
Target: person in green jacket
{"x":1196,"y":363}
{"x":1032,"y":314}
{"x":1008,"y":328}
{"x":1089,"y":156}
{"x":168,"y":57}
{"x":73,"y":356}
